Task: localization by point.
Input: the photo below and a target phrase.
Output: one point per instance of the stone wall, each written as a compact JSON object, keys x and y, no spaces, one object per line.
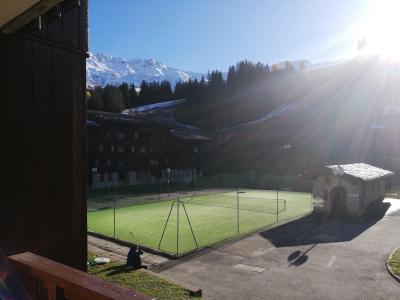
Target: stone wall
{"x":322,"y":187}
{"x":358,"y":196}
{"x":374,"y":191}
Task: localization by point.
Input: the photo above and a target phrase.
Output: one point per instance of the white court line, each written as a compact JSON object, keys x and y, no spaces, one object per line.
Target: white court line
{"x":249,"y":268}
{"x":332,"y":260}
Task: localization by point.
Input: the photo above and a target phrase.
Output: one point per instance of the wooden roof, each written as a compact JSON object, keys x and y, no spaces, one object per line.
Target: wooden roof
{"x":15,"y":14}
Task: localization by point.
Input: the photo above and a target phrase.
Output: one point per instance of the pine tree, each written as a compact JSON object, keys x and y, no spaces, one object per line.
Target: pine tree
{"x":133,"y":96}
{"x":144,"y":93}
{"x":124,"y":88}
{"x":94,"y":99}
{"x":112,"y":99}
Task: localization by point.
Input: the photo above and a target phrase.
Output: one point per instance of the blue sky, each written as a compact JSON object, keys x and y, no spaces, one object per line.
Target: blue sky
{"x":201,"y":35}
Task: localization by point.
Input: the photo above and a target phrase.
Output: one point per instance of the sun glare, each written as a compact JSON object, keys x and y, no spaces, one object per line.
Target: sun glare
{"x":381,"y":29}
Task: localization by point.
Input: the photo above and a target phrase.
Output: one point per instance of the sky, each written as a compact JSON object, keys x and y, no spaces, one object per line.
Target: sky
{"x":205,"y":35}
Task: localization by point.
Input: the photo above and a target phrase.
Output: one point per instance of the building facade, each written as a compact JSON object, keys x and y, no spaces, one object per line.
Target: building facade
{"x":348,"y":189}
{"x":140,"y":149}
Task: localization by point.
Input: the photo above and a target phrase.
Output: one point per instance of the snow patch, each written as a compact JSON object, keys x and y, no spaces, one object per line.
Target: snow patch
{"x":156,"y":106}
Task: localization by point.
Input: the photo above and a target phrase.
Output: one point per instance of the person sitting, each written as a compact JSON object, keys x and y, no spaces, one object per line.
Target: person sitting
{"x":133,"y":259}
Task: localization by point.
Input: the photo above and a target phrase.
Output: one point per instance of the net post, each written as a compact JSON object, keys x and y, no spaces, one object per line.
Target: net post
{"x":237,"y":212}
{"x":166,"y":223}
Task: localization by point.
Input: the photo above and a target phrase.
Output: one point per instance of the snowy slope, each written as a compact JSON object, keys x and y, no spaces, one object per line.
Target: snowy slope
{"x":166,"y":105}
{"x":104,"y":69}
{"x":309,"y":66}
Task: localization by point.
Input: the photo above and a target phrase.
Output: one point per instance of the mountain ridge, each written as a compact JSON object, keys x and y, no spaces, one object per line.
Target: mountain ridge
{"x":105,"y":69}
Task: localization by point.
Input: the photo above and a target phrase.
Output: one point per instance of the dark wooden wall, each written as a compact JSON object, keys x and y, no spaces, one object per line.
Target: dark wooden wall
{"x":42,"y":118}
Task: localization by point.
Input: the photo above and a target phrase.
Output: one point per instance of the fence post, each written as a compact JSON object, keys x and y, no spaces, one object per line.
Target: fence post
{"x":159,"y":192}
{"x":177,"y":228}
{"x":113,"y":199}
{"x":277,"y":206}
{"x":237,"y":212}
{"x":312,"y":201}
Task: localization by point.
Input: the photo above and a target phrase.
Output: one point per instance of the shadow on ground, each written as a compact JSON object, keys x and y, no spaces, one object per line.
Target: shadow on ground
{"x":115,"y":270}
{"x":319,"y":228}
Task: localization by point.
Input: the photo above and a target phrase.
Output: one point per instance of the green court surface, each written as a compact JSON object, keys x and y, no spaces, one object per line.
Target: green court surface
{"x":205,"y":219}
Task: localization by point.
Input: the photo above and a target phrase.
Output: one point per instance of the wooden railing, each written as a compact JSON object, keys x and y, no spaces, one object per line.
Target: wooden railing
{"x":47,"y":279}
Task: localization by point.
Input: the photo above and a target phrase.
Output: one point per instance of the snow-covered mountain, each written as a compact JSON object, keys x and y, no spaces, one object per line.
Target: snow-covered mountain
{"x":104,"y":69}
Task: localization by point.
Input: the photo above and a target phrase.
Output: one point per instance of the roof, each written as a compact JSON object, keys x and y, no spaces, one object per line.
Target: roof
{"x":150,"y":120}
{"x":361,"y":171}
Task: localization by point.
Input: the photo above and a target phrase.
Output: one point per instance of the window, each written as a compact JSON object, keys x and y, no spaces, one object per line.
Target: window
{"x":120,"y":135}
{"x":96,"y":163}
{"x":132,"y":148}
{"x":109,"y":163}
{"x":153,"y":162}
{"x":108,"y":134}
{"x":143,"y":149}
{"x":167,"y":160}
{"x":121,"y":149}
{"x":136,"y":135}
{"x":196,"y":149}
{"x":112,"y":148}
{"x":100,"y":148}
{"x":120,"y":163}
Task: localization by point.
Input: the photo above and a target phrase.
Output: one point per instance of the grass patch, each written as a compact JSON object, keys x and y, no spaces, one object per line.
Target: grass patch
{"x":213,"y":218}
{"x":394,"y":262}
{"x":139,"y":281}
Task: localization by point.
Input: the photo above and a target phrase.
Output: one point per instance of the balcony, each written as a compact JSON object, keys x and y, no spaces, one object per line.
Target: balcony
{"x":47,"y":279}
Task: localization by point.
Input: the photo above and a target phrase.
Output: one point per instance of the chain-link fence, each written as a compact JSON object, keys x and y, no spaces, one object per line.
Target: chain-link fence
{"x":181,"y":218}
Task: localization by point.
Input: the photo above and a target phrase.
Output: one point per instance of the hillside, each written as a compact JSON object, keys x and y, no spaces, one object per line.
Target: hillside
{"x":345,"y":113}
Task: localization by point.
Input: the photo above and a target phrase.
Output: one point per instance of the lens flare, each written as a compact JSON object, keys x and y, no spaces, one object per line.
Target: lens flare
{"x":381,"y":29}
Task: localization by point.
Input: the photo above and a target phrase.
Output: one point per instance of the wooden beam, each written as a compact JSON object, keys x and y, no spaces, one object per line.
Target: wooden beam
{"x":35,"y":11}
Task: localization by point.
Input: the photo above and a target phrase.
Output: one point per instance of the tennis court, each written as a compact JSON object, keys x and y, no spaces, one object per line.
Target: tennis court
{"x":188,"y":221}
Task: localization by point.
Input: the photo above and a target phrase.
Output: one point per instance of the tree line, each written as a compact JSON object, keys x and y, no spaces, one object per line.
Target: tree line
{"x":210,"y":91}
{"x":117,"y":98}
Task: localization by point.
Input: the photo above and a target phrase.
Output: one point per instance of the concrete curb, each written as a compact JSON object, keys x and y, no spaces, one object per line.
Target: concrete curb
{"x":389,"y":268}
{"x":192,"y":290}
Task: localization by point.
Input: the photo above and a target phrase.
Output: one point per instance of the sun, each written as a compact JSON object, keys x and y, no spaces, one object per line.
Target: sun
{"x":381,"y":29}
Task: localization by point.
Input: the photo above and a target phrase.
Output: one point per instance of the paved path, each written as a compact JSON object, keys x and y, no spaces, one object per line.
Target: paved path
{"x":306,"y":259}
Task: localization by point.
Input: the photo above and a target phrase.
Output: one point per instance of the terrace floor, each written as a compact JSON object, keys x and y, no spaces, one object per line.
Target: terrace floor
{"x":310,"y":258}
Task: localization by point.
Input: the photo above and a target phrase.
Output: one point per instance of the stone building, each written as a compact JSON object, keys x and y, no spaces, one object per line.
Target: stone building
{"x":348,"y":189}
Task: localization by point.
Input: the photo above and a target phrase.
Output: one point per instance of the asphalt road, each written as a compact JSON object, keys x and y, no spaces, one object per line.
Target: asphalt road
{"x":311,"y":258}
